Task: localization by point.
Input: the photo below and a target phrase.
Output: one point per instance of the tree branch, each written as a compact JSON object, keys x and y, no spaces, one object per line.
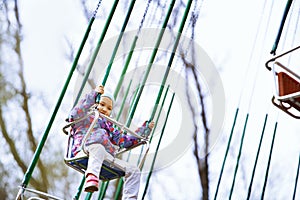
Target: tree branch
{"x":17,"y":36}
{"x":202,"y":163}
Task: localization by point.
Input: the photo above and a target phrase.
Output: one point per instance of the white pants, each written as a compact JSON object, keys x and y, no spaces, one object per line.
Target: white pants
{"x":97,"y":154}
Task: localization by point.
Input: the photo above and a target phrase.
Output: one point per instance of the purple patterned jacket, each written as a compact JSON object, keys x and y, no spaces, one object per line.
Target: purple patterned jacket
{"x":103,"y":131}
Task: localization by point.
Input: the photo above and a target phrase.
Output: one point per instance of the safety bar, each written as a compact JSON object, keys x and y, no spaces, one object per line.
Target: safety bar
{"x":274,"y":58}
{"x":97,"y":115}
{"x":120,"y":125}
{"x":23,"y":189}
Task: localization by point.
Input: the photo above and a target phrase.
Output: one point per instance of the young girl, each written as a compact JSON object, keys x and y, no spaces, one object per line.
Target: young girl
{"x":103,"y":141}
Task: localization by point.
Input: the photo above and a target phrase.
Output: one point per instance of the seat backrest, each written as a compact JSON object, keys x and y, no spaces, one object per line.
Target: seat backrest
{"x":287,"y":84}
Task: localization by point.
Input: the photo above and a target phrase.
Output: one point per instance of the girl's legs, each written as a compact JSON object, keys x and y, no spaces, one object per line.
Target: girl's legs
{"x":132,"y":180}
{"x":98,"y":152}
{"x":97,"y":146}
{"x":96,"y":156}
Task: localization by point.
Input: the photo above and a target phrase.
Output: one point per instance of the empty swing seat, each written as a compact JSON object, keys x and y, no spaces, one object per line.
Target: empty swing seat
{"x":286,"y":86}
{"x":287,"y":97}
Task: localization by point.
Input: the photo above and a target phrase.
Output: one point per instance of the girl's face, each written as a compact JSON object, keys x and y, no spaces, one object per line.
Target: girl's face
{"x":105,"y":106}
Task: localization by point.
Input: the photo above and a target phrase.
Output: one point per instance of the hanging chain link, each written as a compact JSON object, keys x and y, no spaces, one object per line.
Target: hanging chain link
{"x":97,"y":8}
{"x":144,"y":16}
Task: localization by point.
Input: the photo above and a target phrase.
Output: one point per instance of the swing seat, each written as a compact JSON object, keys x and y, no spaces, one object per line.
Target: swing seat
{"x":288,"y":85}
{"x":110,"y":169}
{"x":288,"y":92}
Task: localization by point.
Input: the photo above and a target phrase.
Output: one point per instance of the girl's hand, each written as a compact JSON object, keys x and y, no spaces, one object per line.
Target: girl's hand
{"x":100,"y":89}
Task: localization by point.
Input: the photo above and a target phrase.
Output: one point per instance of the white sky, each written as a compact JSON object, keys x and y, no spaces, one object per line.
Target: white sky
{"x":226,"y":30}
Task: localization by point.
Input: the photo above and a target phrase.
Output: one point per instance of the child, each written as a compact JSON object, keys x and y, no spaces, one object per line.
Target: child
{"x":102,"y":142}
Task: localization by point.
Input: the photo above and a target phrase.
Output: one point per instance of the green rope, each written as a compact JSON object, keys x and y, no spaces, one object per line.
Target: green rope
{"x":116,"y":47}
{"x":89,"y":68}
{"x":186,"y":12}
{"x":128,"y":59}
{"x":103,"y":189}
{"x":159,"y":113}
{"x":296,"y":179}
{"x":269,"y":162}
{"x":104,"y":185}
{"x":96,"y":51}
{"x":157,"y":119}
{"x":114,"y":54}
{"x":120,"y":181}
{"x":112,"y":58}
{"x":226,"y":153}
{"x":239,"y":155}
{"x":76,"y":197}
{"x":129,"y":11}
{"x":37,"y":153}
{"x":134,"y":96}
{"x":132,"y":111}
{"x":237,"y":110}
{"x":153,"y":131}
{"x":139,"y":91}
{"x":119,"y":188}
{"x":119,"y":40}
{"x":102,"y":192}
{"x":157,"y":148}
{"x":124,"y":100}
{"x":257,"y":155}
{"x":88,"y":196}
{"x":286,"y":10}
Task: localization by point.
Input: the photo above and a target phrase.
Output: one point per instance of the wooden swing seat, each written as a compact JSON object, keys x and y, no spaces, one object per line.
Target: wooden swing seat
{"x":288,"y":85}
{"x":288,"y":95}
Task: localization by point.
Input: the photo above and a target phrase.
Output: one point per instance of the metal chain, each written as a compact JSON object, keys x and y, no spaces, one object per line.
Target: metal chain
{"x":97,"y":8}
{"x":144,"y":16}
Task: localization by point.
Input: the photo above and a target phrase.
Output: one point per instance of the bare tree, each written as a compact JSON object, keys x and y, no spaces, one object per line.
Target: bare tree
{"x":17,"y":92}
{"x":18,"y":138}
